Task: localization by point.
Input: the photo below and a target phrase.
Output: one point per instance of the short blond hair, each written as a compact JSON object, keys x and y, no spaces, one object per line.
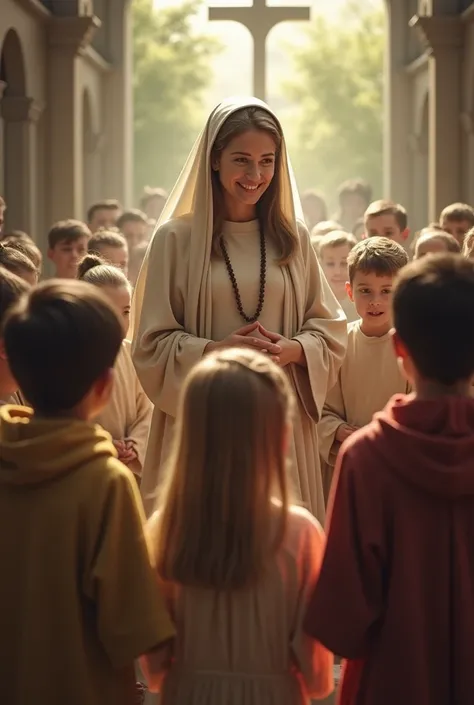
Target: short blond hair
{"x":325,"y":227}
{"x":376,"y":255}
{"x":336,"y":238}
{"x":458,"y":212}
{"x":452,"y":245}
{"x":384,"y":207}
{"x":106,"y":238}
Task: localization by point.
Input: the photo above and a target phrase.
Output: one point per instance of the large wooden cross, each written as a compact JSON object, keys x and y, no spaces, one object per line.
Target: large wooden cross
{"x":259,"y":19}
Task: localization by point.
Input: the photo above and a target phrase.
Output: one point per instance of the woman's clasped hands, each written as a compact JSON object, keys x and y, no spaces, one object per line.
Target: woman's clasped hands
{"x":282,"y":350}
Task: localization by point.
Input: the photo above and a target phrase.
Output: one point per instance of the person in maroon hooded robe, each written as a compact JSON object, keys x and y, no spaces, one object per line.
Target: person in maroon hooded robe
{"x":395,"y":594}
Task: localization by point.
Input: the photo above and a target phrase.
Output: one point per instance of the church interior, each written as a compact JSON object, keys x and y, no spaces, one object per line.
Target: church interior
{"x":65,"y":108}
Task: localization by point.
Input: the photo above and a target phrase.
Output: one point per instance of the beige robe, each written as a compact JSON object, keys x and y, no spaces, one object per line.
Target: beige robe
{"x":248,"y":647}
{"x":128,"y":414}
{"x":168,"y":342}
{"x":368,"y":378}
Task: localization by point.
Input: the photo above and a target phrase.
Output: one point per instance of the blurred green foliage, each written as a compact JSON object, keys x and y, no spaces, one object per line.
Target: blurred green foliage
{"x":172,"y":69}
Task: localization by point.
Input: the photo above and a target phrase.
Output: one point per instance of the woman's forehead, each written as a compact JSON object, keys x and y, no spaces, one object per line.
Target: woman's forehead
{"x":252,"y":142}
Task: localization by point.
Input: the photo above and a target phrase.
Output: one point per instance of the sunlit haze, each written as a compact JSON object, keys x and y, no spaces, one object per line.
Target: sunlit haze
{"x":233,"y":67}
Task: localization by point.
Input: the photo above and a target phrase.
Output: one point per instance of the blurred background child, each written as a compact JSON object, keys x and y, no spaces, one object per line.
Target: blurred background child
{"x":111,"y":246}
{"x":456,"y":219}
{"x":333,"y":251}
{"x":435,"y":242}
{"x":127,"y":416}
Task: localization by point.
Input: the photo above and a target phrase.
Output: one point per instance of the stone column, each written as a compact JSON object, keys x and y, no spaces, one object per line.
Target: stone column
{"x":118,"y":109}
{"x":418,"y":181}
{"x":20,"y":116}
{"x":67,"y":36}
{"x":397,"y":106}
{"x":467,"y":124}
{"x":443,"y":38}
{"x":92,"y":165}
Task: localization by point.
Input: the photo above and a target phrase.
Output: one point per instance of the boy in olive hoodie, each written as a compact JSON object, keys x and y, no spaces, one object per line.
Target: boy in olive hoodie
{"x":78,"y":598}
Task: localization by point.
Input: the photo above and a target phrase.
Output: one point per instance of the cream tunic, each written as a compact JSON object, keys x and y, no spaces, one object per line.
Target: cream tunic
{"x":128,"y":414}
{"x":368,"y":378}
{"x":248,"y":647}
{"x":164,"y":350}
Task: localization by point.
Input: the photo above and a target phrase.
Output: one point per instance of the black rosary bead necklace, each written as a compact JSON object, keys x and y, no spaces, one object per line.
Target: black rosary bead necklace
{"x":233,"y":280}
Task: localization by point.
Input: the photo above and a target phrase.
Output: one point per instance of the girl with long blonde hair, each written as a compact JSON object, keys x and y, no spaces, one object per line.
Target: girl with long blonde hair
{"x":235,"y":558}
{"x":231,"y":265}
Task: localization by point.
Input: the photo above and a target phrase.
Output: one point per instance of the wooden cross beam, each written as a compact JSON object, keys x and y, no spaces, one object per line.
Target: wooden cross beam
{"x":259,"y":19}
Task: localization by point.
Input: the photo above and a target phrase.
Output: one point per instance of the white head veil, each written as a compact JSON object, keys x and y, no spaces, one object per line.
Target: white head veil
{"x":192,"y":193}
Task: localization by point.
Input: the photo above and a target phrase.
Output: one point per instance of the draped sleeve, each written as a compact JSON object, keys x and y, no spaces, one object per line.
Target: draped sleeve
{"x":322,"y":333}
{"x":163,"y":352}
{"x":333,"y":416}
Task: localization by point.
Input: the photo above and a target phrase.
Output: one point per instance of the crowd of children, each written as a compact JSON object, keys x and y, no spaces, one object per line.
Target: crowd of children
{"x":231,"y":594}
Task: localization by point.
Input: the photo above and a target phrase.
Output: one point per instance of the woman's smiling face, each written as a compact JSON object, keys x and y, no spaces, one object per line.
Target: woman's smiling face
{"x":246,"y":168}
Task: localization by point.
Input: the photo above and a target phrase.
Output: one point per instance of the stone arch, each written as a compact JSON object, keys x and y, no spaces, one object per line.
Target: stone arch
{"x":12,"y":66}
{"x":13,"y":92}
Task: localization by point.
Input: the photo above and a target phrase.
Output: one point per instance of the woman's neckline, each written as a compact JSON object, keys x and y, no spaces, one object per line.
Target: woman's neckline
{"x":249,"y":226}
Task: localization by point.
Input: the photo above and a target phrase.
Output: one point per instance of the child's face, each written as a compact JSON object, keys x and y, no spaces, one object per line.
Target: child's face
{"x":372,"y":296}
{"x":456,"y":228}
{"x":135,"y":232}
{"x":121,"y":298}
{"x":334,"y":263}
{"x":118,"y":256}
{"x":385,"y":226}
{"x":104,"y":218}
{"x":66,"y":256}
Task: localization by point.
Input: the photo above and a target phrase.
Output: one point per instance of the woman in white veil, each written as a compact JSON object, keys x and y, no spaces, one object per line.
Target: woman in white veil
{"x":230,"y":247}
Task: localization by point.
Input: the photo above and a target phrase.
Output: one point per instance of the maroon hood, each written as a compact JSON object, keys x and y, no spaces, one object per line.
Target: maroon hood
{"x":428,"y":443}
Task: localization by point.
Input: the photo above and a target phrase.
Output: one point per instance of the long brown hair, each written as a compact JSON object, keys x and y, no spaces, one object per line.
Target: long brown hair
{"x":217,"y":524}
{"x":269,"y":213}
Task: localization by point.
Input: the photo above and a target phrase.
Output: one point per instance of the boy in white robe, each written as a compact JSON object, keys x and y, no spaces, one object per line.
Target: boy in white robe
{"x":370,"y":374}
{"x":333,"y":250}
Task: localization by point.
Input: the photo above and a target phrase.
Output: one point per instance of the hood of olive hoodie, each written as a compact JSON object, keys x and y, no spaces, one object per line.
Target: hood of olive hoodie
{"x":35,"y":450}
{"x":429,"y":443}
